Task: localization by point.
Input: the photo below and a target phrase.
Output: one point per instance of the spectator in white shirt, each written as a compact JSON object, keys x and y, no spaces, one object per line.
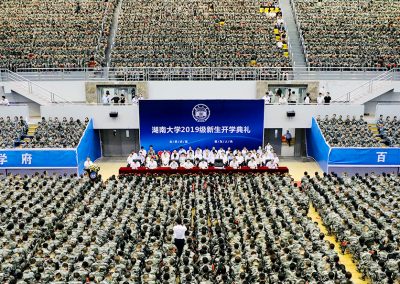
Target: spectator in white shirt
{"x":179,"y":236}
{"x":267,"y":98}
{"x":4,"y":101}
{"x":106,"y":98}
{"x":282,"y":100}
{"x":307,"y":99}
{"x":320,"y":99}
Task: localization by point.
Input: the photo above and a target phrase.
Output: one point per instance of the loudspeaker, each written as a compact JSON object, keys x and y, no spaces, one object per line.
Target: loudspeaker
{"x":114,"y":114}
{"x":290,"y":113}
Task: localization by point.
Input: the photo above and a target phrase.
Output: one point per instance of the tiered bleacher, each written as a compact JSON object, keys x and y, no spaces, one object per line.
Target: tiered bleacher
{"x":56,"y":33}
{"x":343,"y":33}
{"x":55,"y":133}
{"x":347,"y":132}
{"x":389,"y":130}
{"x":363,"y":213}
{"x":241,"y":228}
{"x":200,"y":34}
{"x":11,"y":131}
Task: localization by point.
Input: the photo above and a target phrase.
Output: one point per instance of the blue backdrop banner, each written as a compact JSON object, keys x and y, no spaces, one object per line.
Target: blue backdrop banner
{"x":41,"y":158}
{"x":169,"y":124}
{"x":89,"y":146}
{"x":317,"y":146}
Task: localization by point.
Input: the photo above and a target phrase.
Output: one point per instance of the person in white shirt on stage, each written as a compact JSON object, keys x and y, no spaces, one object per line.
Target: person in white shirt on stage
{"x":134,"y":164}
{"x":188,"y":165}
{"x":190,"y":151}
{"x":174,"y":165}
{"x":182,"y":158}
{"x":129,"y":159}
{"x":152,"y":164}
{"x":276,"y":159}
{"x":268,"y":147}
{"x":220,"y":151}
{"x":203,"y":164}
{"x":181,"y":150}
{"x":190,"y":155}
{"x":234,"y":163}
{"x":174,"y":155}
{"x":252,"y":164}
{"x":270,"y":156}
{"x":142,"y":151}
{"x":165,"y":158}
{"x":272,"y":165}
{"x":198,"y":154}
{"x":87,"y":163}
{"x":240,"y":158}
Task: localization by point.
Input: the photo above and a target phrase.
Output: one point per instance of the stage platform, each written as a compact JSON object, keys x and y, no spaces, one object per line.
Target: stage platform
{"x":210,"y":170}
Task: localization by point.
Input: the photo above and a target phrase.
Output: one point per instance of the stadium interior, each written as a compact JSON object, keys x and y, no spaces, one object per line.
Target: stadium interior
{"x":203,"y":142}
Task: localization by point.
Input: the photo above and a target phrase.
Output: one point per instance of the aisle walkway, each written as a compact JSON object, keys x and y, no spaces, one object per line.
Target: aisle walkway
{"x":344,"y":259}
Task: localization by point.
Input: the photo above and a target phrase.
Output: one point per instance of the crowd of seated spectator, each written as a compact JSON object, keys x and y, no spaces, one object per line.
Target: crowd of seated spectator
{"x":56,"y":33}
{"x":200,"y":34}
{"x":55,"y":133}
{"x":11,"y":131}
{"x":344,"y":33}
{"x":240,"y":228}
{"x":364,"y":215}
{"x":203,"y":158}
{"x":389,"y":130}
{"x":347,"y":132}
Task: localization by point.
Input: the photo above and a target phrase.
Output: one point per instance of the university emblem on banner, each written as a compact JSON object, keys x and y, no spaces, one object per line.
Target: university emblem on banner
{"x":201,"y":113}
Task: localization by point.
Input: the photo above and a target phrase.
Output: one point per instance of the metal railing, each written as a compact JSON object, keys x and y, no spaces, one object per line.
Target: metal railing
{"x":31,"y":88}
{"x":369,"y":86}
{"x":202,"y":73}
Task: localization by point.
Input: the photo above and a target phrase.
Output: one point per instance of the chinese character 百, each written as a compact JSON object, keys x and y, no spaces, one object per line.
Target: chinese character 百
{"x":26,"y":159}
{"x":381,"y":156}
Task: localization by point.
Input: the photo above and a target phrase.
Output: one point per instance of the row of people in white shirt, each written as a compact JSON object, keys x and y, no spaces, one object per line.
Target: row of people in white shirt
{"x":203,"y":158}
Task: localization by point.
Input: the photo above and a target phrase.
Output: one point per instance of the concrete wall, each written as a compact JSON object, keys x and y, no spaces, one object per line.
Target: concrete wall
{"x":128,"y":115}
{"x":275,"y":115}
{"x":388,"y":110}
{"x":185,"y":90}
{"x":73,"y":91}
{"x":11,"y":111}
{"x":388,"y":98}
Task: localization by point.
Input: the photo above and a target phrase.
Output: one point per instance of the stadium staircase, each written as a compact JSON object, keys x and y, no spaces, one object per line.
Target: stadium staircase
{"x":374,"y":129}
{"x":113,"y":32}
{"x":376,"y":87}
{"x":28,"y":89}
{"x":295,"y":44}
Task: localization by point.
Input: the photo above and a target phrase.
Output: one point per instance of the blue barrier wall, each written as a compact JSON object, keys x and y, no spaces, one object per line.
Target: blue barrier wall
{"x":88,"y":146}
{"x":38,"y":158}
{"x":73,"y":158}
{"x":331,"y":158}
{"x":365,"y":156}
{"x":317,"y":146}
